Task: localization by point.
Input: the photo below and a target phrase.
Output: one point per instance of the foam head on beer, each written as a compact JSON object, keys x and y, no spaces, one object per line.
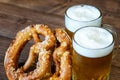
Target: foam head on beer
{"x":93,"y":42}
{"x":82,"y":15}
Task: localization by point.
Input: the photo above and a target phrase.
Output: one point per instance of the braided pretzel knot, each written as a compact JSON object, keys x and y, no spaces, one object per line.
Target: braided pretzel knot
{"x":61,"y":56}
{"x":40,"y":49}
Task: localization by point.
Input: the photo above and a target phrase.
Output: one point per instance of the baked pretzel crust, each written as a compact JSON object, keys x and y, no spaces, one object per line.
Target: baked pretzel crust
{"x":56,"y":46}
{"x":62,"y":56}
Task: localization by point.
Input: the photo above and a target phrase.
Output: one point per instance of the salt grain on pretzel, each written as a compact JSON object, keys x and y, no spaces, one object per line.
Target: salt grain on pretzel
{"x":41,"y":49}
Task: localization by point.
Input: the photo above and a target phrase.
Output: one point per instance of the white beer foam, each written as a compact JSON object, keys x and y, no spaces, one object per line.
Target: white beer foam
{"x":83,"y":13}
{"x":93,"y":42}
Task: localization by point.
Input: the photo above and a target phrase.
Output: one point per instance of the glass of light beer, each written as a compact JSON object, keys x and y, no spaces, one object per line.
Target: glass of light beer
{"x":92,"y":53}
{"x":81,"y":15}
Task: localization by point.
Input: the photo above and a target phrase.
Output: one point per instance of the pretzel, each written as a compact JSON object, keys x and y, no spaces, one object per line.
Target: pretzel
{"x":56,"y":47}
{"x":41,"y":49}
{"x":62,"y":57}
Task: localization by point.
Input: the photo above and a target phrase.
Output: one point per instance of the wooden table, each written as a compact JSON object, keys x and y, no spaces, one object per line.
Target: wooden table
{"x":17,"y":14}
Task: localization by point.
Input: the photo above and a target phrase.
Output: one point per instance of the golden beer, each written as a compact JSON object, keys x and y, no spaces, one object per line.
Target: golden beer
{"x":92,"y":54}
{"x":85,"y":68}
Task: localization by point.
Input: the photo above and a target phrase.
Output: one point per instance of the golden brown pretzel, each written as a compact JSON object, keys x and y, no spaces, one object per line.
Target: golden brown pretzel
{"x":42,"y":49}
{"x":62,"y":57}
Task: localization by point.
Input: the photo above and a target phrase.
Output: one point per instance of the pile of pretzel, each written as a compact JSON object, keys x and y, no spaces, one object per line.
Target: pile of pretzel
{"x":52,"y":52}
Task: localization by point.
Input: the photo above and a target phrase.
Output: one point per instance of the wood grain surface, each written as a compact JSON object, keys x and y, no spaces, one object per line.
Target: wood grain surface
{"x":17,"y":14}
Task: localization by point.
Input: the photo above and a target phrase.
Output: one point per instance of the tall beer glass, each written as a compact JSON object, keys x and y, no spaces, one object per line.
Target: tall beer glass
{"x":81,"y":15}
{"x":92,"y":54}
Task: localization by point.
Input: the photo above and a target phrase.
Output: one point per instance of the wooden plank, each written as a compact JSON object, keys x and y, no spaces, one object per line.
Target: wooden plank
{"x":4,"y":44}
{"x":12,"y":20}
{"x":30,"y":14}
{"x":116,"y":59}
{"x":2,"y":73}
{"x":11,"y":28}
{"x":115,"y":73}
{"x":49,"y":6}
{"x":38,"y":5}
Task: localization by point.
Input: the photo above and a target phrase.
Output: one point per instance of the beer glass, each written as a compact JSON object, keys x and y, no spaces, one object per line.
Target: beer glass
{"x":92,"y":53}
{"x":81,"y":15}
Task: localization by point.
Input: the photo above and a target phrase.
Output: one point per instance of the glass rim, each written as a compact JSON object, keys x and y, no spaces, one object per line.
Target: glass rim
{"x":91,"y":48}
{"x":83,"y":5}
